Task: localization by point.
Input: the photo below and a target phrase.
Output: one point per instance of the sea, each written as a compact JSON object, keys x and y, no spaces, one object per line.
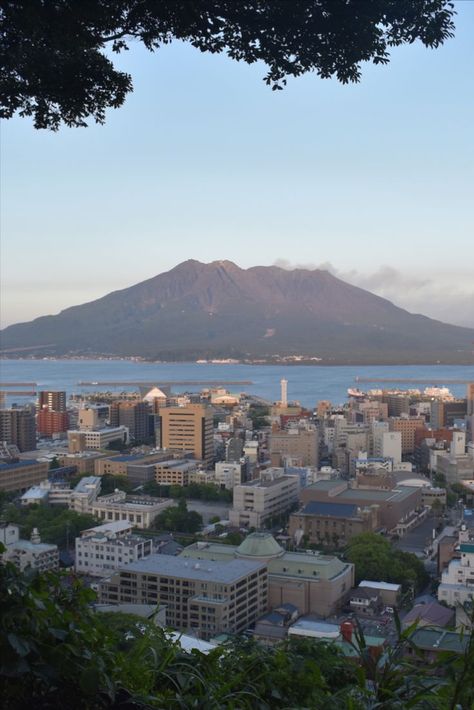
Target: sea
{"x":307,"y":384}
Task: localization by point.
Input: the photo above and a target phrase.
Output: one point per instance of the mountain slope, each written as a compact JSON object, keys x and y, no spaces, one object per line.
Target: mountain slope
{"x":219,"y":309}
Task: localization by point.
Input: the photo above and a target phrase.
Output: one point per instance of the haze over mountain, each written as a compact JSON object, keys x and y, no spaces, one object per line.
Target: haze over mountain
{"x":201,"y":310}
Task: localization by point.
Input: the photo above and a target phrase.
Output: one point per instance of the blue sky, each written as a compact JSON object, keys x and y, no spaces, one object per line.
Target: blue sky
{"x":373,"y":181}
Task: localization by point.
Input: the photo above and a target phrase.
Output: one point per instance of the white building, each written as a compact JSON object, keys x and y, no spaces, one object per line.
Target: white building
{"x":457,"y":581}
{"x":105,"y":548}
{"x":138,"y":510}
{"x":79,"y":439}
{"x":85,"y":493}
{"x":257,"y":501}
{"x":24,"y":554}
{"x":228,"y":475}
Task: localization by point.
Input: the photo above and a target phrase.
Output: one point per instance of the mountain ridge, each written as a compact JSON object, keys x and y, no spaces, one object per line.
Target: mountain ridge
{"x":219,"y":309}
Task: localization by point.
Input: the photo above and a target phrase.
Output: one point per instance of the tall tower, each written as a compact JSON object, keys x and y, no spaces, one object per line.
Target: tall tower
{"x":284,"y":393}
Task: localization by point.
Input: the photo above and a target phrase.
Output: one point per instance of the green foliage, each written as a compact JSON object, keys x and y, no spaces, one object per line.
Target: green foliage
{"x":197,"y":491}
{"x":178,"y":519}
{"x":55,"y":652}
{"x":258,"y":415}
{"x":45,"y":44}
{"x":376,"y":558}
{"x":54,"y":464}
{"x":109,"y":483}
{"x":56,"y":524}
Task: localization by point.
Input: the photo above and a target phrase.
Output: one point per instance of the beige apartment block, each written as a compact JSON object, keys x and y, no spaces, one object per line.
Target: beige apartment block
{"x":257,"y":501}
{"x":79,"y":441}
{"x":301,"y":444}
{"x":407,"y":426}
{"x":188,"y":428}
{"x":206,"y":599}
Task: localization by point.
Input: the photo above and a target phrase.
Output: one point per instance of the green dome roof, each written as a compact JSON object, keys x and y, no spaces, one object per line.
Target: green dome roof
{"x":259,"y":544}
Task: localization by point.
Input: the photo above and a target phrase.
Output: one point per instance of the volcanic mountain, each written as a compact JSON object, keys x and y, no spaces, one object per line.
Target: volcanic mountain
{"x":201,"y":310}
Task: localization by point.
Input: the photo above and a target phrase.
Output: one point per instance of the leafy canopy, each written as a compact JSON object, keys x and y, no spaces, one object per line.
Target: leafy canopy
{"x":57,"y":64}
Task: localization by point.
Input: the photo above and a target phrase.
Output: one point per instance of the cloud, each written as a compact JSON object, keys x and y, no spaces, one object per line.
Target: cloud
{"x":449,"y":297}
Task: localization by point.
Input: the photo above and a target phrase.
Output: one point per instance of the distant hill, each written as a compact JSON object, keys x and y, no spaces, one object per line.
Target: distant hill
{"x":201,"y":310}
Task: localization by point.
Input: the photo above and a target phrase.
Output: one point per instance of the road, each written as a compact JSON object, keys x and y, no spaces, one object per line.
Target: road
{"x":418,"y":539}
{"x":209,"y":510}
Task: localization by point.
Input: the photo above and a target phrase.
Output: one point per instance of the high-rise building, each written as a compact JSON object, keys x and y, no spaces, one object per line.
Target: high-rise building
{"x":52,"y":423}
{"x":18,"y":427}
{"x":188,"y":428}
{"x":53,"y":401}
{"x":134,"y":416}
{"x":470,"y":399}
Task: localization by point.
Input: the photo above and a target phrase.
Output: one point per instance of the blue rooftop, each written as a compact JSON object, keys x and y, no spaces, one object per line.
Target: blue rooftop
{"x":127,"y":457}
{"x":18,"y":464}
{"x":333,"y":510}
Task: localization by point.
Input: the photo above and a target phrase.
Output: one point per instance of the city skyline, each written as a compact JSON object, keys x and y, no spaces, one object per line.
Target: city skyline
{"x":373,"y":179}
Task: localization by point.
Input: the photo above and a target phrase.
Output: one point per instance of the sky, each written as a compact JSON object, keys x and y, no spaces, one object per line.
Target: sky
{"x":373,"y":181}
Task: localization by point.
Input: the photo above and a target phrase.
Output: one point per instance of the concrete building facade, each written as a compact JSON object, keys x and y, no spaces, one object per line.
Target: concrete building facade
{"x":207,"y":599}
{"x":265,"y":498}
{"x":188,"y":428}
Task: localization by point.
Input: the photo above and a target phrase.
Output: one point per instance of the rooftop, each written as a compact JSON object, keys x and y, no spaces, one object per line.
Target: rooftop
{"x":19,"y":464}
{"x":225,"y":572}
{"x":440,"y":640}
{"x":115,"y":526}
{"x":86,"y":483}
{"x":385,"y":586}
{"x":334,"y":510}
{"x":259,"y":544}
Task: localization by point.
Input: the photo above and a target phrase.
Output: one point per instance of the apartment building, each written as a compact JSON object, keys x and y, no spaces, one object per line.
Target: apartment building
{"x":206,"y":599}
{"x":188,"y":428}
{"x":22,"y":475}
{"x":270,"y":496}
{"x":18,"y":427}
{"x":52,"y":400}
{"x":457,"y":580}
{"x":105,"y":548}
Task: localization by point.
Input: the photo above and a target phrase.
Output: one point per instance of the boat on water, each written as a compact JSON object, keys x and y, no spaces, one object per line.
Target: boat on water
{"x":356,"y":393}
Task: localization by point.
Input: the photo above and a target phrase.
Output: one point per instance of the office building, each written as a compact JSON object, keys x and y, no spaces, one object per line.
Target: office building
{"x":299,"y":444}
{"x":206,"y":599}
{"x":188,"y":428}
{"x":79,"y":441}
{"x":134,"y":416}
{"x":407,"y":426}
{"x":84,"y":494}
{"x":21,"y":475}
{"x":18,"y":427}
{"x":313,"y":582}
{"x":92,"y":417}
{"x":332,"y":524}
{"x":399,"y":509}
{"x":268,"y":497}
{"x":229,"y":475}
{"x":138,"y":510}
{"x":104,"y":548}
{"x":175,"y":472}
